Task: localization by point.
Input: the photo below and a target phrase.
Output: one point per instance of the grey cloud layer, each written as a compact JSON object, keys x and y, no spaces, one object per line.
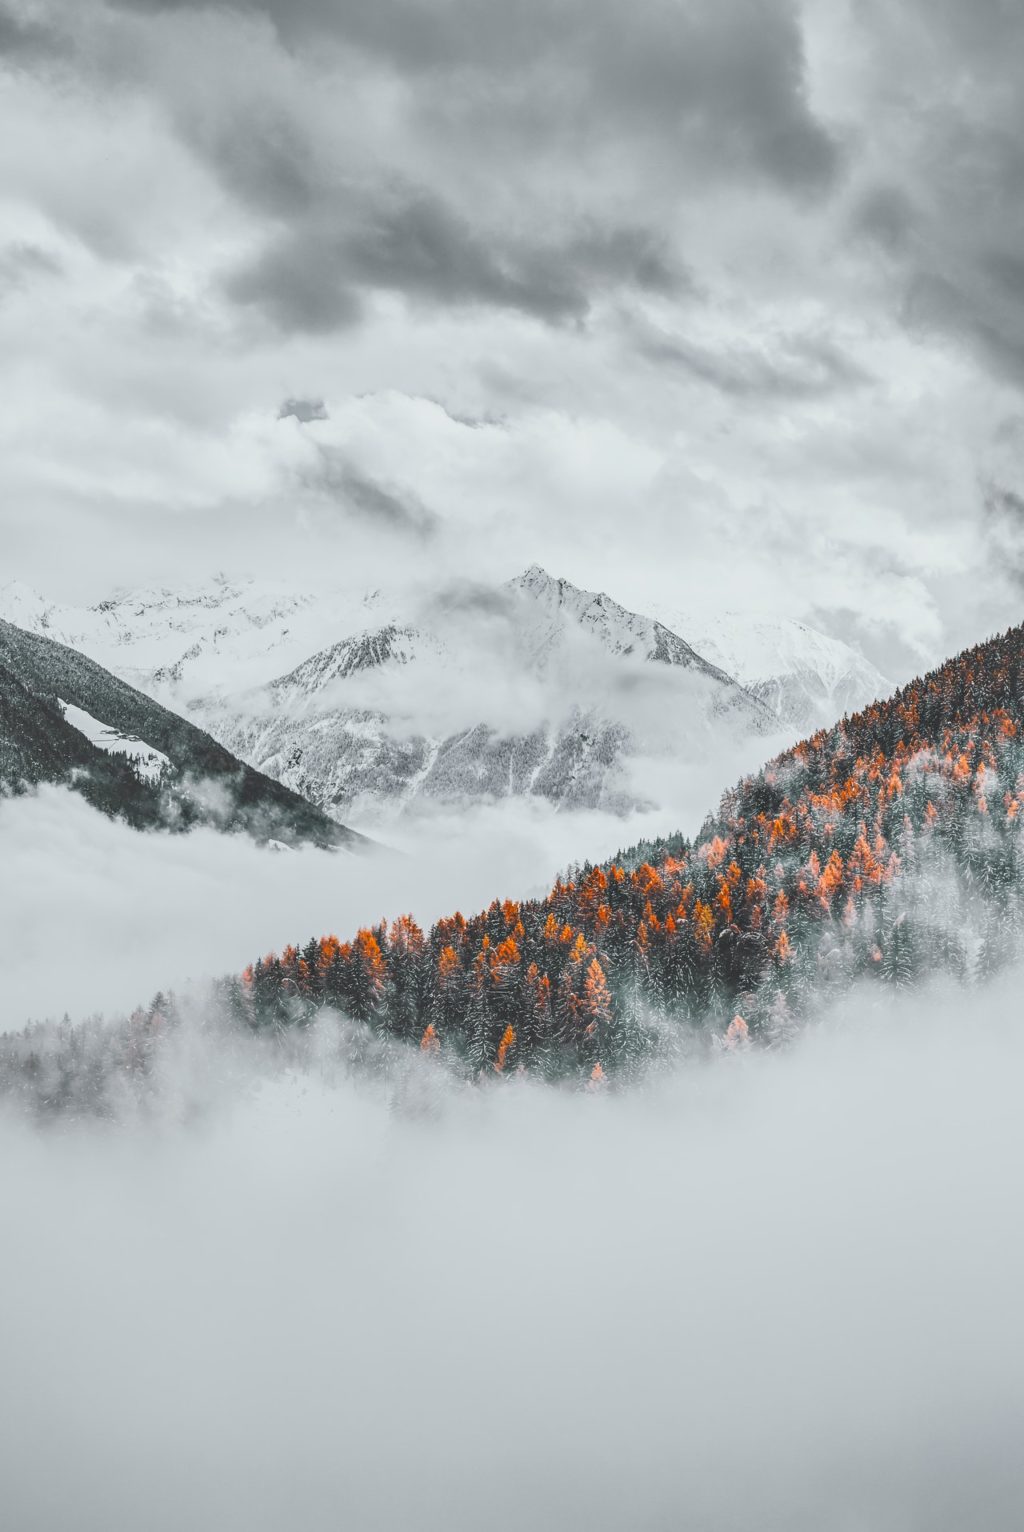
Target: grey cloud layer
{"x":23,"y":39}
{"x":800,"y":366}
{"x":731,"y":72}
{"x":357,"y":494}
{"x":710,"y":264}
{"x":310,"y":277}
{"x":516,"y":95}
{"x":956,"y":219}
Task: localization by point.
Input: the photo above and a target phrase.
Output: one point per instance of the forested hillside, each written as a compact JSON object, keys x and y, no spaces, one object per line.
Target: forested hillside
{"x":37,"y":744}
{"x":200,"y":782}
{"x":885,"y":849}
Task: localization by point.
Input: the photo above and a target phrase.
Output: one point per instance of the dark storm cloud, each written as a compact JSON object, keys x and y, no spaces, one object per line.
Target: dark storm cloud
{"x":797,"y":367}
{"x":972,"y":312}
{"x":24,"y":39}
{"x":722,"y":78}
{"x":1006,"y":269}
{"x":685,"y":93}
{"x":298,"y":282}
{"x":981,"y":29}
{"x":262,"y":155}
{"x":1003,"y":528}
{"x":310,"y":276}
{"x":385,"y":508}
{"x":886,"y":215}
{"x":953,"y":213}
{"x":423,"y":247}
{"x":303,"y":410}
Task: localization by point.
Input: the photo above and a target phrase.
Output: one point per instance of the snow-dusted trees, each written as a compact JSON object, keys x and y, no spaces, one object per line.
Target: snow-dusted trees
{"x":887,"y":848}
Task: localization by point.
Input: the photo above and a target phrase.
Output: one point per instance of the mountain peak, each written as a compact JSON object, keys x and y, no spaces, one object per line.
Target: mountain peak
{"x":564,"y":606}
{"x":542,"y":586}
{"x":533,"y":578}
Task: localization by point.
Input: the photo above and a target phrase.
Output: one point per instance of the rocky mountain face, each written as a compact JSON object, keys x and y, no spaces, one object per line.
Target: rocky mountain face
{"x":532,"y":688}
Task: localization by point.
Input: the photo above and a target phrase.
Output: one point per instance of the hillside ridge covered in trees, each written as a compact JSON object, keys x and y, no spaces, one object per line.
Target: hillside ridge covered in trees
{"x":203,"y":784}
{"x":885,"y":849}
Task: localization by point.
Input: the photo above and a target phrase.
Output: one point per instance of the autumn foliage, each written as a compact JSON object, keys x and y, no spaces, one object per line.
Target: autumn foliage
{"x":887,"y":847}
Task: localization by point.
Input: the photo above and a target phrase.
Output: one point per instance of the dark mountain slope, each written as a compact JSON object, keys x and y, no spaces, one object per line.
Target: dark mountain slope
{"x":38,"y":745}
{"x":205,"y":782}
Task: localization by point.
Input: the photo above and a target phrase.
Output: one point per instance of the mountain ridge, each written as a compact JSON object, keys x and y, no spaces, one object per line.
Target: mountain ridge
{"x":565,"y":690}
{"x":333,"y":736}
{"x":239,"y":611}
{"x":38,"y":743}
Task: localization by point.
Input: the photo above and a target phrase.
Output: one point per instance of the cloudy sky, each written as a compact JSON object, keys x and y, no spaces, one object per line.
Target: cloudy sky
{"x":707,"y":301}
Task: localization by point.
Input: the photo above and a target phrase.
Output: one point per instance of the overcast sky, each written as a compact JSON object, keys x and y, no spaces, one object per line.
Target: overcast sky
{"x":709,"y":301}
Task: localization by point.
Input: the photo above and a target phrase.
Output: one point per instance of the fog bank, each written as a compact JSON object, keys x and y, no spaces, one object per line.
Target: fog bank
{"x":96,"y":916}
{"x":779,"y":1291}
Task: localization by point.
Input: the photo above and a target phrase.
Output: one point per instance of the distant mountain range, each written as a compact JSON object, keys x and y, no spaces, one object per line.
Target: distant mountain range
{"x":531,"y":688}
{"x":65,"y":719}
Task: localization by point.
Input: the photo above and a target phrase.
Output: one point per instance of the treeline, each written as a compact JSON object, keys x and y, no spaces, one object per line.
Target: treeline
{"x":887,"y":847}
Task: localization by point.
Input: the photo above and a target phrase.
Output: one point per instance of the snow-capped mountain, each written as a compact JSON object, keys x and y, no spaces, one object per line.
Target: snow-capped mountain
{"x":368,"y":705}
{"x":538,"y":689}
{"x":551,"y":606}
{"x":391,"y":644}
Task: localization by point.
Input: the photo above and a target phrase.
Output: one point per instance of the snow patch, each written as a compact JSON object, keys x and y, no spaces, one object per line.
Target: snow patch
{"x":147,"y":760}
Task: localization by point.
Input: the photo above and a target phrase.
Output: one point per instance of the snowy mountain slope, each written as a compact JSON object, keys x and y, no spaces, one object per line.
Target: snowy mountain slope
{"x":349,"y":657}
{"x":804,"y":677}
{"x":550,"y":605}
{"x":225,"y":636}
{"x":543,"y":690}
{"x":171,"y":643}
{"x":65,"y":718}
{"x":546,"y":625}
{"x":351,"y":762}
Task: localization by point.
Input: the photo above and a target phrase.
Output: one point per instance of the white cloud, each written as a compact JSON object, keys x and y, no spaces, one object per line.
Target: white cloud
{"x":777,"y":1292}
{"x":98,"y":917}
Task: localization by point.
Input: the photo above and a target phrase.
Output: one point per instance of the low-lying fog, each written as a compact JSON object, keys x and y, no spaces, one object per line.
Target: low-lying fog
{"x":95,"y":916}
{"x":774,"y":1292}
{"x":777,"y":1292}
